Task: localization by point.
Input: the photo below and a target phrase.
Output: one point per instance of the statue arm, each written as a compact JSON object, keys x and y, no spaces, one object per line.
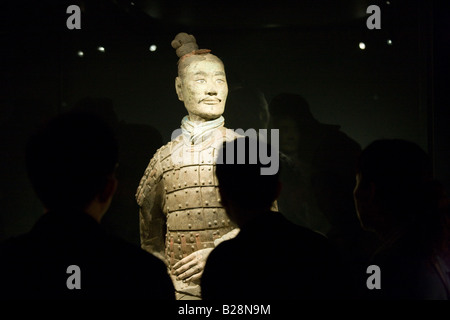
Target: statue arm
{"x":152,"y":220}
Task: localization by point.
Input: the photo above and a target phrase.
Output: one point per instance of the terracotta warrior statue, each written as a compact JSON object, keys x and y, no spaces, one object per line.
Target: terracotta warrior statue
{"x":181,"y":217}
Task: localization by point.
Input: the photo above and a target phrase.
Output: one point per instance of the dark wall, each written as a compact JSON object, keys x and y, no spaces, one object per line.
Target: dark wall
{"x":384,"y":91}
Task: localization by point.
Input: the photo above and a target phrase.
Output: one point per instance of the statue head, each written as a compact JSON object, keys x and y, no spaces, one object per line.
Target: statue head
{"x":201,"y":82}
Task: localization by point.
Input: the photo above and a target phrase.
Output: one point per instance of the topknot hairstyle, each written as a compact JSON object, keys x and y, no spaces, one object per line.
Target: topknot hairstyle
{"x":184,"y":43}
{"x":186,"y":46}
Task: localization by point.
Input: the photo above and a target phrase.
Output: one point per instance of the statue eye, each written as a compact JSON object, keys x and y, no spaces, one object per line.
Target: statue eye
{"x":220,"y":81}
{"x":200,"y":81}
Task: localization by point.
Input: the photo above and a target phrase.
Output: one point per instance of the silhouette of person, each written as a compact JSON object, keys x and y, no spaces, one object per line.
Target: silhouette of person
{"x":181,"y":218}
{"x":396,"y":198}
{"x":19,"y":207}
{"x":71,"y":164}
{"x":318,"y":179}
{"x":271,"y":257}
{"x":137,"y":143}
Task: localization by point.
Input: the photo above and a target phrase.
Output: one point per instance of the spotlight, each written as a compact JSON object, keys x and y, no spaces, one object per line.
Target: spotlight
{"x":80,"y":53}
{"x":362,"y":45}
{"x":153,"y":47}
{"x":101,"y":49}
{"x":389,"y":42}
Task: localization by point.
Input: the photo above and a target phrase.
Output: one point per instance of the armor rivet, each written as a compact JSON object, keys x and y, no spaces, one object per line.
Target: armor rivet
{"x":203,"y":161}
{"x":187,"y":204}
{"x":204,"y":245}
{"x":192,"y":247}
{"x":174,"y":186}
{"x":180,"y":256}
{"x":185,"y":191}
{"x":196,"y":191}
{"x":203,"y":169}
{"x":167,"y":197}
{"x":209,"y":224}
{"x":209,"y":161}
{"x":214,"y":211}
{"x":179,"y":185}
{"x":179,"y":241}
{"x":218,"y":199}
{"x":215,"y":221}
{"x":191,"y":239}
{"x":176,"y":214}
{"x":167,"y":208}
{"x":179,"y":247}
{"x":179,"y":206}
{"x":185,"y":171}
{"x":195,"y":182}
{"x":209,"y":169}
{"x":199,"y":212}
{"x":223,"y":221}
{"x":203,"y":182}
{"x":206,"y":203}
{"x":175,"y":195}
{"x":188,"y":212}
{"x":165,"y":188}
{"x":195,"y":169}
{"x":185,"y":183}
{"x":210,"y":181}
{"x":189,"y":226}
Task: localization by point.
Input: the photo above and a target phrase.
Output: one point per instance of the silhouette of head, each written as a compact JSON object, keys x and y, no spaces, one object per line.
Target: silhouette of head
{"x":243,"y":185}
{"x":393,"y":185}
{"x":70,"y":159}
{"x":201,"y":83}
{"x":102,"y":107}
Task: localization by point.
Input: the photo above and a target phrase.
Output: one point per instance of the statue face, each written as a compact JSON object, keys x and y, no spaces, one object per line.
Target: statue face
{"x":203,"y":89}
{"x":289,"y":134}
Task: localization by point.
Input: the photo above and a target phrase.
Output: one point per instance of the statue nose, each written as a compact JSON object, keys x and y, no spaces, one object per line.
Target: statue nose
{"x":211,"y":90}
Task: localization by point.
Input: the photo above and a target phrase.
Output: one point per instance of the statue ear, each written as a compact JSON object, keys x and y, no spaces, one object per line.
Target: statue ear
{"x":178,"y":85}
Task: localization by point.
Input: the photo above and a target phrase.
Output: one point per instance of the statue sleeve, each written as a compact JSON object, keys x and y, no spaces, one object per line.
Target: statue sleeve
{"x":152,"y":220}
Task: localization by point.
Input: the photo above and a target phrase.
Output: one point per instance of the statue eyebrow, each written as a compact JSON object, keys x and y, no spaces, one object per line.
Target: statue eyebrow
{"x":202,"y":73}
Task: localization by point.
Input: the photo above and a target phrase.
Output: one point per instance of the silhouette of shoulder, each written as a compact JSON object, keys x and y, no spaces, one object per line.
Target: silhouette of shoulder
{"x":271,"y":258}
{"x":34,"y":265}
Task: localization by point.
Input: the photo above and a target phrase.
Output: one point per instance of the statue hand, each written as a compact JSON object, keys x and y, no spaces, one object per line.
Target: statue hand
{"x":191,"y":267}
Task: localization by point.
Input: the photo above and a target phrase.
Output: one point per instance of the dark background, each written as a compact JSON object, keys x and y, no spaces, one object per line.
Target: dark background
{"x":308,"y":47}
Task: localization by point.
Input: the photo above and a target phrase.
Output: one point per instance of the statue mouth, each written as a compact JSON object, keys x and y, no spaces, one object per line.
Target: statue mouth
{"x":211,"y":101}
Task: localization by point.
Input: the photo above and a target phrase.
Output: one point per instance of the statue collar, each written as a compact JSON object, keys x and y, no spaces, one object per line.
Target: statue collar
{"x":196,"y":133}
